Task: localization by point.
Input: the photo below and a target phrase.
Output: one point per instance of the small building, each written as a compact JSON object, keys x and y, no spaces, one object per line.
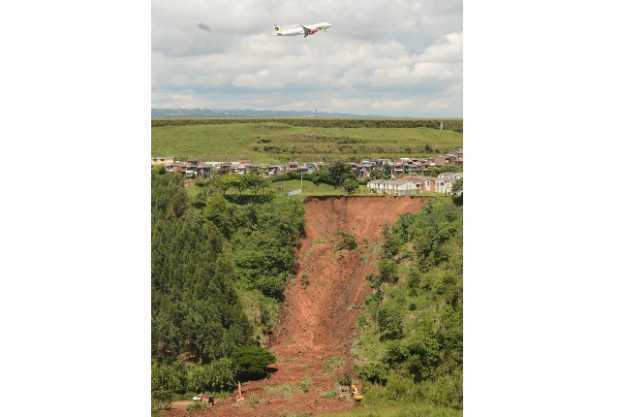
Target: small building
{"x":446,"y":180}
{"x":398,"y":168}
{"x":273,"y":170}
{"x":355,"y":169}
{"x":243,"y":167}
{"x":292,"y":166}
{"x":395,"y":187}
{"x":177,"y":166}
{"x":365,"y":169}
{"x":204,"y":170}
{"x":310,"y":167}
{"x":191,"y":169}
{"x":423,"y":184}
{"x":224,"y":168}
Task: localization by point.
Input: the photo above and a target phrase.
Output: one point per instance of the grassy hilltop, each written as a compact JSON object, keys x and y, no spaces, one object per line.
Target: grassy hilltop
{"x":273,"y":140}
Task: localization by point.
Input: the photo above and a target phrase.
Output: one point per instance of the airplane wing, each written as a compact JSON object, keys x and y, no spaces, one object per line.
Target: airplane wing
{"x":307,"y":30}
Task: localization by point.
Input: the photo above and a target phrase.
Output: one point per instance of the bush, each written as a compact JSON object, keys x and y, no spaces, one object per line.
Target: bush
{"x":272,"y":286}
{"x":374,"y":372}
{"x":399,"y":388}
{"x":457,"y":192}
{"x":390,"y":322}
{"x":337,"y":173}
{"x":414,"y":280}
{"x":350,"y":185}
{"x":216,"y":376}
{"x":251,"y":362}
{"x":446,"y":391}
{"x":346,"y":241}
{"x":388,"y":271}
{"x":165,"y":381}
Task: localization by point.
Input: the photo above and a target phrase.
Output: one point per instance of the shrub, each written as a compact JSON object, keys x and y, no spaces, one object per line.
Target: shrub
{"x":447,"y":390}
{"x":251,"y":362}
{"x":374,"y":372}
{"x":388,"y":271}
{"x":374,"y":282}
{"x":337,"y":173}
{"x":196,"y":378}
{"x":345,"y":241}
{"x":165,"y":381}
{"x":414,"y":280}
{"x":390,"y":322}
{"x":457,"y":192}
{"x":350,"y":185}
{"x":398,"y":387}
{"x":272,"y":286}
{"x":216,"y":376}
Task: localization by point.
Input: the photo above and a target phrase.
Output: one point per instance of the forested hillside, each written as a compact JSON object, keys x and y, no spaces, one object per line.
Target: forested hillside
{"x":211,"y":303}
{"x":411,"y":330}
{"x":223,"y":256}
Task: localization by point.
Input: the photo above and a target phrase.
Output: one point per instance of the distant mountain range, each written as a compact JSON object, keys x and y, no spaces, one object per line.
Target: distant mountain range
{"x":186,"y":113}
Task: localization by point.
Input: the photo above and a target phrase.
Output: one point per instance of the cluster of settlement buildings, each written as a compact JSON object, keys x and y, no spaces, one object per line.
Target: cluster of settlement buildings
{"x":403,"y":172}
{"x":192,"y":169}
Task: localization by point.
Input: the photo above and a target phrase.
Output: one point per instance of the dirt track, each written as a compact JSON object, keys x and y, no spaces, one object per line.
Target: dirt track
{"x":322,"y":304}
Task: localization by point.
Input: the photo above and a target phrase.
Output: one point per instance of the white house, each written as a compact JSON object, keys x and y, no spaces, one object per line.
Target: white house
{"x":446,"y":180}
{"x":395,"y":187}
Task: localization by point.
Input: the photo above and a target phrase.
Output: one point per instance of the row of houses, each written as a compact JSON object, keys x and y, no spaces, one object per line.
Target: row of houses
{"x":206,"y":169}
{"x":412,"y":185}
{"x":405,"y":166}
{"x":362,"y":169}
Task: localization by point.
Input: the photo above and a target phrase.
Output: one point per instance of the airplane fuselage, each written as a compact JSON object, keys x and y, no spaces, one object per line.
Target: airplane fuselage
{"x":305,"y":30}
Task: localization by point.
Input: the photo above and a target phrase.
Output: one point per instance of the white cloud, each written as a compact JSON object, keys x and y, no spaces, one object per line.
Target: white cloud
{"x":393,"y":57}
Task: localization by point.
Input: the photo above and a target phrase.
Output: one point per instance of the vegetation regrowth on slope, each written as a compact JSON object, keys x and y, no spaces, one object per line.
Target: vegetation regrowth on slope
{"x":410,"y":346}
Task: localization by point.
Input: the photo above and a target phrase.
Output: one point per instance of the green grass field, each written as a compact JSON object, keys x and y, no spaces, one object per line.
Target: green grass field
{"x":283,"y":187}
{"x":309,"y":189}
{"x":270,"y":141}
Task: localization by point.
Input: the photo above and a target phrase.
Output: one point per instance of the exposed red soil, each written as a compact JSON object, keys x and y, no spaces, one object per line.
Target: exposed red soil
{"x":318,"y":319}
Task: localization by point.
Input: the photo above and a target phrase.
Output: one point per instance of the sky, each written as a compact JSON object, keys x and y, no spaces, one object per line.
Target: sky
{"x":390,"y":57}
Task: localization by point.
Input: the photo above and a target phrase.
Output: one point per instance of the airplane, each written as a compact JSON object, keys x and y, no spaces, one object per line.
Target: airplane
{"x":305,"y":30}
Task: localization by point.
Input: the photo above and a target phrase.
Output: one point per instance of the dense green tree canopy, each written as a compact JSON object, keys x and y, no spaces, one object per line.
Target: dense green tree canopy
{"x":204,"y":251}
